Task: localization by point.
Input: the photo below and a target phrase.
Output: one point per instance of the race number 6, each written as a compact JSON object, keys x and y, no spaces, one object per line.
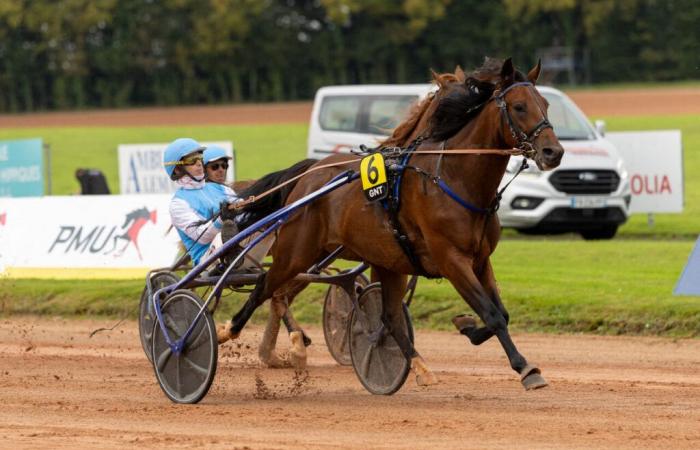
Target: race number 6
{"x":372,"y":170}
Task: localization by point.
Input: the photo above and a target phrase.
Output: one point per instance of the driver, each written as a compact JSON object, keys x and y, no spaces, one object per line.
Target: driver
{"x":216,"y":163}
{"x":196,"y":201}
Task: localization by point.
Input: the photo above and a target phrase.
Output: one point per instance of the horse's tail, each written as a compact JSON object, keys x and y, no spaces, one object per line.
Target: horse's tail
{"x":275,"y":200}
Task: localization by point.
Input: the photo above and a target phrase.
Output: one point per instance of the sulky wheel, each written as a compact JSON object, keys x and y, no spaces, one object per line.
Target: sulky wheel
{"x":376,"y":357}
{"x":336,"y":312}
{"x":146,"y":314}
{"x":185,"y":377}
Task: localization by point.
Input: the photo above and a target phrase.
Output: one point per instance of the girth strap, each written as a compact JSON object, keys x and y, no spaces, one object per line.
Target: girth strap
{"x":392,"y":205}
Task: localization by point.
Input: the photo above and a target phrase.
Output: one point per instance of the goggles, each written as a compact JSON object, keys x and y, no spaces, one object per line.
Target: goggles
{"x":217,"y":165}
{"x":191,"y":160}
{"x":188,"y":160}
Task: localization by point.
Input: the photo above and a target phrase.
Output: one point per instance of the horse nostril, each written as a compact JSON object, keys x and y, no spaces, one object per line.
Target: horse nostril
{"x":547,"y":152}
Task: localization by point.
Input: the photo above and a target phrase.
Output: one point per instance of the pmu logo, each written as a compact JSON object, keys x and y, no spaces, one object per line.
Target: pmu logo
{"x":3,"y":219}
{"x":103,"y":239}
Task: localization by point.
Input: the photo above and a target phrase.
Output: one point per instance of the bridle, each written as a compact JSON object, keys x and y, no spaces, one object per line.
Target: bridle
{"x":524,"y":141}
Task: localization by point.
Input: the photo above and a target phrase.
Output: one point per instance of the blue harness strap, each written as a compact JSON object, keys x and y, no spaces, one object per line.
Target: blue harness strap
{"x":392,"y":204}
{"x":440,"y":183}
{"x":446,"y":189}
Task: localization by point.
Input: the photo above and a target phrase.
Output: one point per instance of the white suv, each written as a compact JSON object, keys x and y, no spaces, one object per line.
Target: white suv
{"x":588,"y":193}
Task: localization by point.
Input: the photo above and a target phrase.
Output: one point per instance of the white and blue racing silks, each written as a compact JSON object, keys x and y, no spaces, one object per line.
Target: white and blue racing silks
{"x":193,"y":204}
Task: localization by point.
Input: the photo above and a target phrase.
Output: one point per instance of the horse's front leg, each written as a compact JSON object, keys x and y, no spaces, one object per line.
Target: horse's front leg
{"x":459,"y":270}
{"x":467,"y":325}
{"x":393,"y":289}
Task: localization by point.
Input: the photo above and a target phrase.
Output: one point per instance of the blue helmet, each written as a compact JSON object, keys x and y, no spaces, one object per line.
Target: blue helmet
{"x":213,"y":153}
{"x":178,"y":149}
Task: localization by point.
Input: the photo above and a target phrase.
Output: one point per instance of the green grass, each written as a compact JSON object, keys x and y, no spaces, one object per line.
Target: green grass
{"x":622,"y":286}
{"x":614,"y":287}
{"x":259,"y":149}
{"x":264,"y":148}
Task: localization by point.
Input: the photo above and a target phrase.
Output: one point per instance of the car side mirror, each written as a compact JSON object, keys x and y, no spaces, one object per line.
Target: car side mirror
{"x":600,"y":127}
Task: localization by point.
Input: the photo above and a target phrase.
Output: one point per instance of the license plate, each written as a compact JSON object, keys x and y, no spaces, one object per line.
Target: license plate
{"x":589,"y":202}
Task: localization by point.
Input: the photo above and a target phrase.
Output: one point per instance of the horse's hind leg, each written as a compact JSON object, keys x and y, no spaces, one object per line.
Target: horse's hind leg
{"x":279,"y":309}
{"x":296,"y":250}
{"x":266,"y":351}
{"x":393,"y":289}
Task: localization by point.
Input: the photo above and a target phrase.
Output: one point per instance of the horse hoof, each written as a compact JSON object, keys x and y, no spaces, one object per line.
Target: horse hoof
{"x":273,"y":361}
{"x":427,"y":379}
{"x":424,"y":376}
{"x":531,"y":378}
{"x":464,"y":322}
{"x":224,"y":333}
{"x":297,"y":352}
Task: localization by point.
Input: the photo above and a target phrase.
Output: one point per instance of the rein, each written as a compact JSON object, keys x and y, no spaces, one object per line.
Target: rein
{"x":524,"y":147}
{"x":392,"y":151}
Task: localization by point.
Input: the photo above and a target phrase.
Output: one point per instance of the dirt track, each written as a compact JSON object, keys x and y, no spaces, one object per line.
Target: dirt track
{"x":595,"y":103}
{"x":61,"y":389}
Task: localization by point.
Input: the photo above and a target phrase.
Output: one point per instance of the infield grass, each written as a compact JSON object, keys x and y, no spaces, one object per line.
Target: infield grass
{"x":259,"y":149}
{"x":563,"y":284}
{"x":613,"y":287}
{"x":264,"y":148}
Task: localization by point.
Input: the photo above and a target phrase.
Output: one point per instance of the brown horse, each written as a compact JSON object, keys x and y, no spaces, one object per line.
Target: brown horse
{"x":497,"y":108}
{"x":283,"y":298}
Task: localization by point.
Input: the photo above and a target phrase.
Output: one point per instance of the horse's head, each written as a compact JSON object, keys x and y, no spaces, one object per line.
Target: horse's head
{"x":524,"y":122}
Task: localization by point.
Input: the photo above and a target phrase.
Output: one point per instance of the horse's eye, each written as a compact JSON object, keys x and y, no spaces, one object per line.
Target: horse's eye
{"x":519,"y":107}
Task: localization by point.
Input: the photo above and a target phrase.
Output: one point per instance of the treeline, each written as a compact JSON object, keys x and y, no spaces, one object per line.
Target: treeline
{"x":115,"y":53}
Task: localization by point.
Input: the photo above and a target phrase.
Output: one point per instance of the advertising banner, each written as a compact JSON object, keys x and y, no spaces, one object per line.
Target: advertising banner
{"x":21,"y":168}
{"x":87,"y":232}
{"x":654,"y":161}
{"x":141,"y":168}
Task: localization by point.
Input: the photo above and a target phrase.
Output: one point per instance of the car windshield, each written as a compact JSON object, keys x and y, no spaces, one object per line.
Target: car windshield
{"x":568,"y":122}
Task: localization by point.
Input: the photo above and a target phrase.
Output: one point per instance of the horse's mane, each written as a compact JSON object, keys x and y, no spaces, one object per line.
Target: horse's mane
{"x":457,"y":101}
{"x":403,"y":131}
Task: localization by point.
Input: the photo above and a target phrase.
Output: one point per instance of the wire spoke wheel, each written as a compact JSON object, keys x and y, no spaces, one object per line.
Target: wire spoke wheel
{"x":147,"y":316}
{"x":376,"y":357}
{"x":336,"y":313}
{"x":185,"y":377}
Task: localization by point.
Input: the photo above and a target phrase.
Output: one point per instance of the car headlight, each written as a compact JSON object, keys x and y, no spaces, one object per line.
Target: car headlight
{"x":622,"y":170}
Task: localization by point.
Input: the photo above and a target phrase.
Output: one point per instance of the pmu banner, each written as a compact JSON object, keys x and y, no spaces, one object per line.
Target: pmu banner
{"x":654,"y":161}
{"x":21,"y":168}
{"x":141,"y":168}
{"x":95,"y":231}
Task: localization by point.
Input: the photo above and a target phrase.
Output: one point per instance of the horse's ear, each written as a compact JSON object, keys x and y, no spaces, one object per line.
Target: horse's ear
{"x":459,"y":73}
{"x":507,"y":72}
{"x":436,"y":78}
{"x":534,"y":73}
{"x":442,"y":80}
